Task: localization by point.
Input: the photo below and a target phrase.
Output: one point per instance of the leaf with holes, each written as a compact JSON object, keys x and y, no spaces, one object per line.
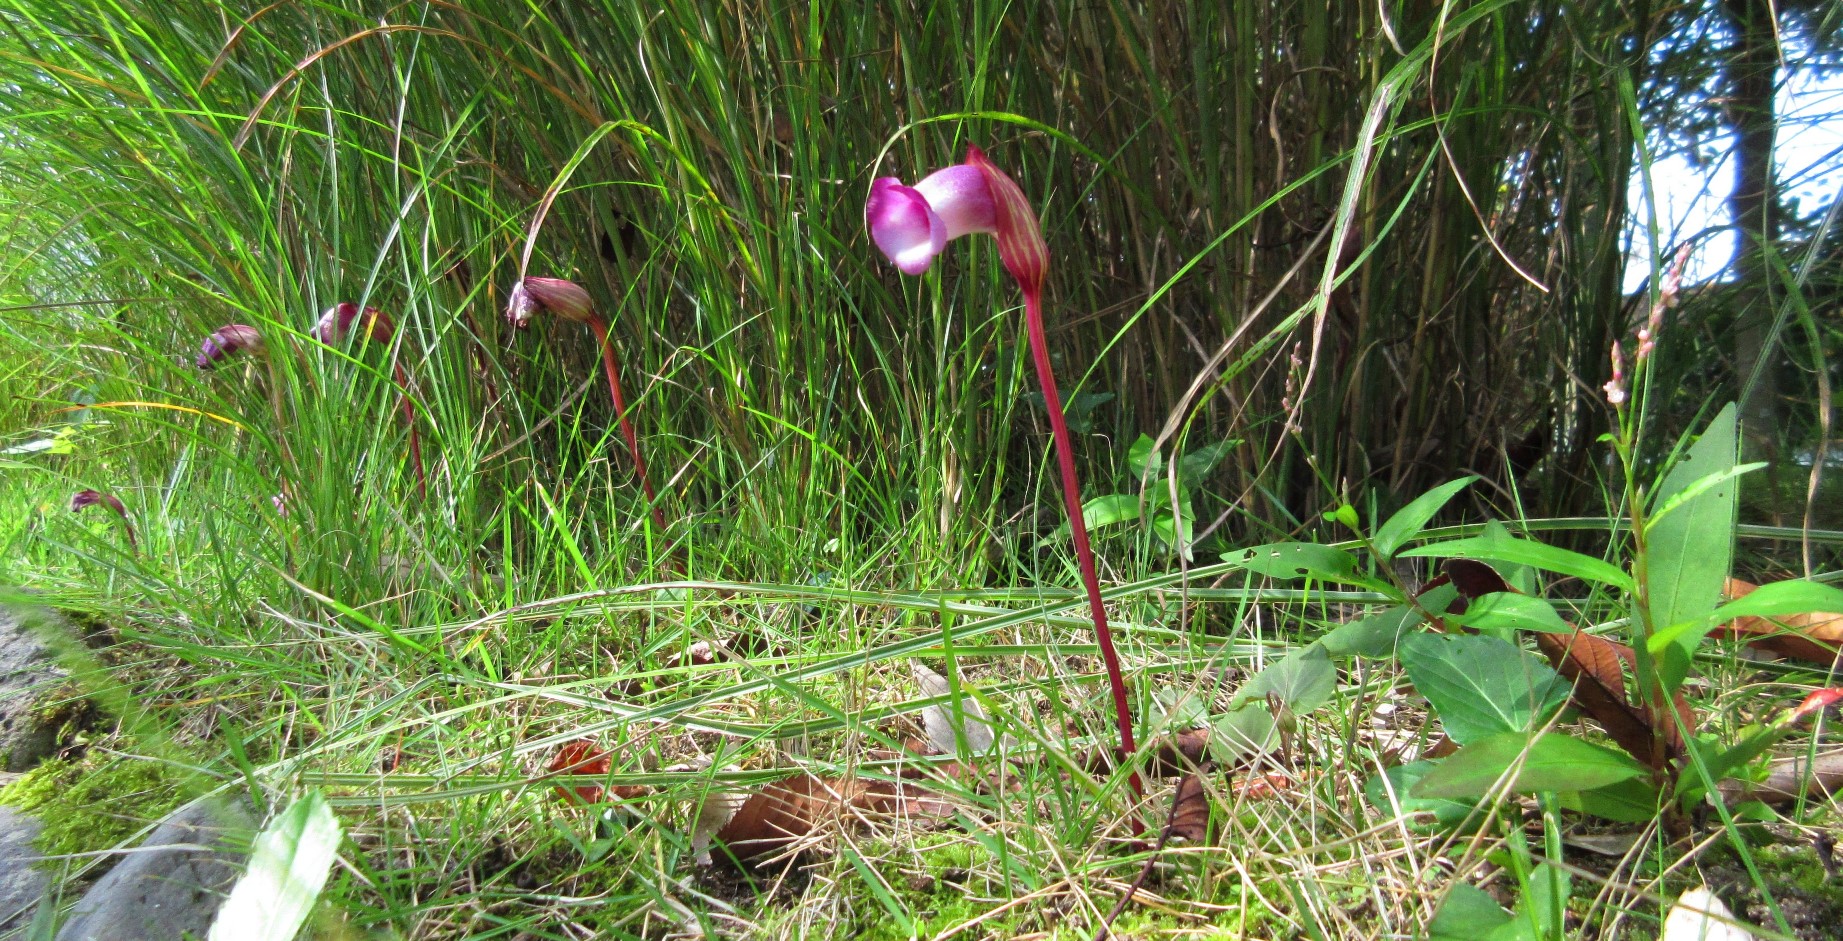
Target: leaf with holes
{"x":1298,"y":560}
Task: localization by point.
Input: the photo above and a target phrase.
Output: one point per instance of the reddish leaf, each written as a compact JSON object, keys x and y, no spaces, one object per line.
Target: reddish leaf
{"x":1597,"y":666}
{"x":583,"y":757}
{"x":1817,"y":701}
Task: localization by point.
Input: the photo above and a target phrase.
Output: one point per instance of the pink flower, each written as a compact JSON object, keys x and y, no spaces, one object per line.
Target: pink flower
{"x":89,"y":498}
{"x":564,"y":298}
{"x":1615,"y":387}
{"x":912,"y":224}
{"x":226,"y":340}
{"x":336,"y":324}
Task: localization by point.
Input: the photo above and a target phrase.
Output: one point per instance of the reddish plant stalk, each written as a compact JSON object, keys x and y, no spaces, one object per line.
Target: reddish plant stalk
{"x":1084,"y":554}
{"x":620,"y":412}
{"x":409,"y":421}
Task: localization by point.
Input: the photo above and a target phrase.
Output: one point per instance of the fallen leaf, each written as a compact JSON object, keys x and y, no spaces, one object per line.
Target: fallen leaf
{"x":1264,"y":786}
{"x":584,"y":757}
{"x":1190,"y":811}
{"x":1168,"y":756}
{"x":1789,"y":779}
{"x":714,"y":813}
{"x":1814,"y":636}
{"x":788,"y":815}
{"x":1700,"y":916}
{"x":938,"y":720}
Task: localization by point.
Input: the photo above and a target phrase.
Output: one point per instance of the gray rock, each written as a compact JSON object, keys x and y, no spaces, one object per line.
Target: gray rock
{"x":21,"y":882}
{"x":161,"y":894}
{"x":26,"y":671}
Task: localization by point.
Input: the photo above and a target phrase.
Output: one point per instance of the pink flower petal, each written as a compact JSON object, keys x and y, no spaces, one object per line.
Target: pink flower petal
{"x":908,"y":231}
{"x":961,"y":197}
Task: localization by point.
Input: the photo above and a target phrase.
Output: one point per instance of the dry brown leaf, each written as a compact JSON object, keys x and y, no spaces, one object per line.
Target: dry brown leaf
{"x":787,"y":815}
{"x":1264,"y":786}
{"x":1788,"y":779}
{"x":1814,"y":636}
{"x":1190,"y":807}
{"x":1171,"y":755}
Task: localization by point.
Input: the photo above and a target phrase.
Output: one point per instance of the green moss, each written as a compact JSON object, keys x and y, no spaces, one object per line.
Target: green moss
{"x":1797,"y":866}
{"x":86,"y":807}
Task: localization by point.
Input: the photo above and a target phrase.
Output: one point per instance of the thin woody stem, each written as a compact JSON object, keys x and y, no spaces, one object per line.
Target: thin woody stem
{"x":1084,"y":554}
{"x":409,"y":421}
{"x":627,"y":430}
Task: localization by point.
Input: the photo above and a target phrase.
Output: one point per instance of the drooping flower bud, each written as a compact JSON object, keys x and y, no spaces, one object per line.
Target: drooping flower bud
{"x":338,"y":321}
{"x":88,"y":498}
{"x":564,"y":298}
{"x":226,"y":340}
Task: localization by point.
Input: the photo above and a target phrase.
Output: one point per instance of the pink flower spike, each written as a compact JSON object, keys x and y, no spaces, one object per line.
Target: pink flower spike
{"x":226,"y":340}
{"x":89,"y":498}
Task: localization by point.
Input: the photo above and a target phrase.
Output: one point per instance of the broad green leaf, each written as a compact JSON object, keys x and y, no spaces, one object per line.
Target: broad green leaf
{"x":1374,"y":636}
{"x":1196,"y":465}
{"x":1696,"y":489}
{"x":1511,"y":611}
{"x":1399,"y":782}
{"x":1778,"y":599}
{"x":1631,"y":801}
{"x":1527,"y":552}
{"x":1174,"y":532}
{"x":1304,"y":680}
{"x":1691,"y":549}
{"x":1247,"y":730}
{"x":1109,"y":510}
{"x":288,"y":868}
{"x":1297,"y":560}
{"x":1411,"y":519}
{"x":1553,"y":762}
{"x":1142,"y":462}
{"x":1469,"y":913}
{"x":1772,"y":600}
{"x":1482,"y":686}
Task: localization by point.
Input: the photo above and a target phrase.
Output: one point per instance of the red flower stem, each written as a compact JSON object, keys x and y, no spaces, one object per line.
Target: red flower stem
{"x":1084,"y":554}
{"x":620,"y":411}
{"x":409,"y":421}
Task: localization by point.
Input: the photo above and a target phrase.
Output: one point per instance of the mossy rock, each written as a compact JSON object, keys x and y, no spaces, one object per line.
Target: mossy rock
{"x":88,"y":805}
